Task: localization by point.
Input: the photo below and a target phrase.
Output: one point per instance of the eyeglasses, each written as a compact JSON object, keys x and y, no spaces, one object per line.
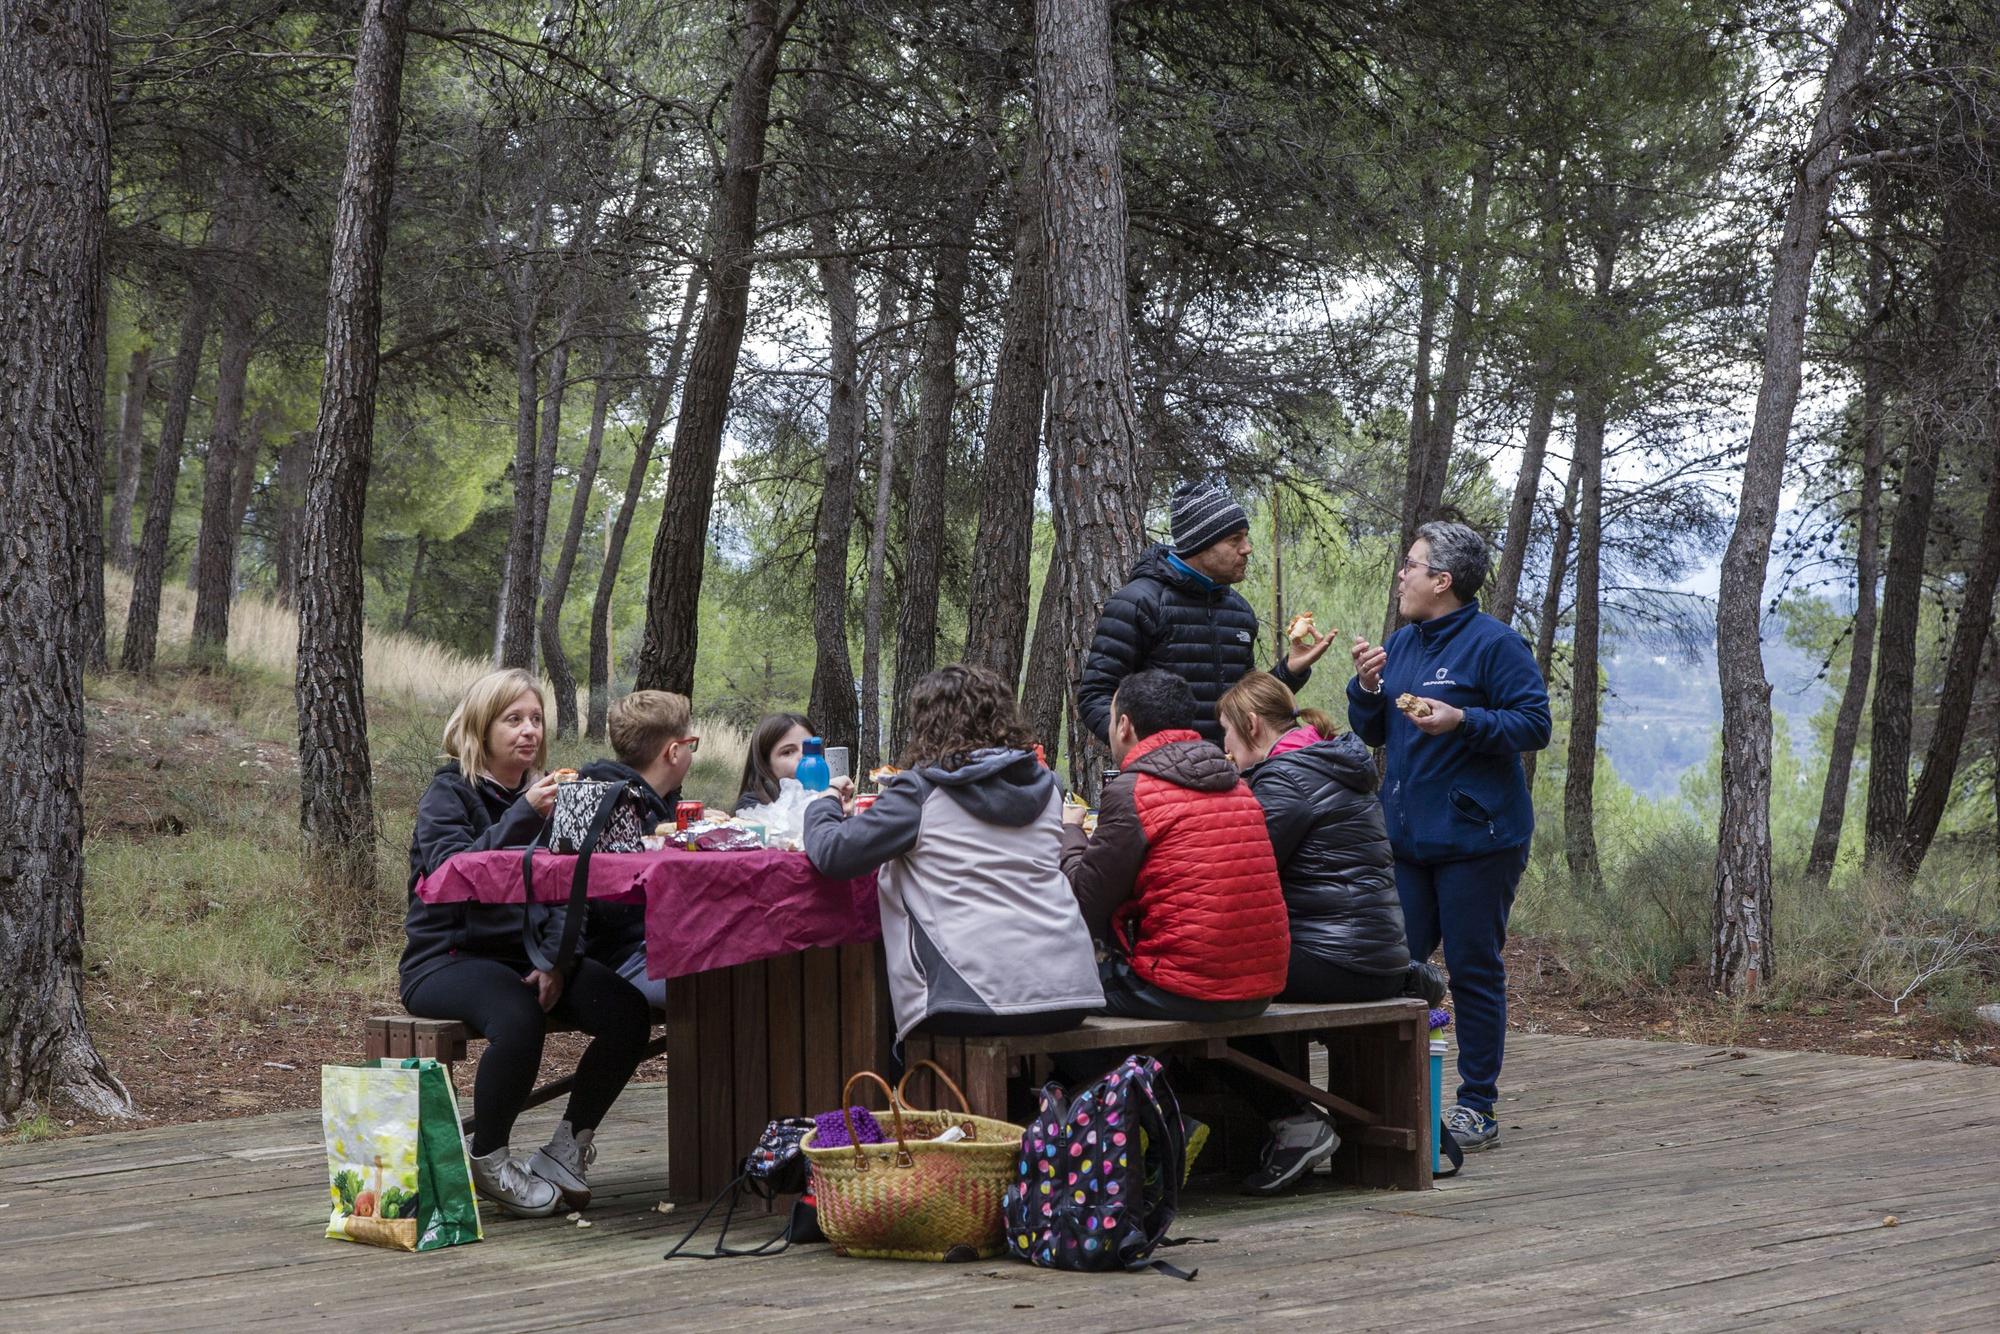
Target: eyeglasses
{"x":693,"y":743}
{"x":1417,"y":564}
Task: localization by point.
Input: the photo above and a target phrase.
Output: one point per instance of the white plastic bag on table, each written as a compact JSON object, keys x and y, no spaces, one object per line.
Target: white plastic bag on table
{"x":784,"y":820}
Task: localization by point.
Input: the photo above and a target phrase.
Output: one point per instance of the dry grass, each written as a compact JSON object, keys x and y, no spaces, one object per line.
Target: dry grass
{"x":194,"y":888}
{"x":264,"y":635}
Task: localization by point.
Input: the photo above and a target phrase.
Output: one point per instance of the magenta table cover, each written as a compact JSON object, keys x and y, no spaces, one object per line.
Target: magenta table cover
{"x":703,"y":909}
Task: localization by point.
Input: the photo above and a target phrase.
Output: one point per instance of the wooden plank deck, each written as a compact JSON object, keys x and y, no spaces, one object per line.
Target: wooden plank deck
{"x":1643,"y":1185}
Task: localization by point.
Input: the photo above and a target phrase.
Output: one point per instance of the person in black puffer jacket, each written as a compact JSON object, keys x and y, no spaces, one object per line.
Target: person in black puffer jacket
{"x":469,"y":961}
{"x":1178,"y":613}
{"x":1317,"y":788}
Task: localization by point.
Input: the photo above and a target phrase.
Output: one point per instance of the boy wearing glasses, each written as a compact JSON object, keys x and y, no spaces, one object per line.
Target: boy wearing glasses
{"x":649,"y":733}
{"x":1453,"y":698}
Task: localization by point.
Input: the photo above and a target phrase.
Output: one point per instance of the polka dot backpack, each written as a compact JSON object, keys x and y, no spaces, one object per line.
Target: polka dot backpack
{"x":1098,"y":1181}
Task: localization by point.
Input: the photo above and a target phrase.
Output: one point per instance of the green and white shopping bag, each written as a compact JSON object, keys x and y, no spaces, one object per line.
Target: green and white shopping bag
{"x":396,"y":1165}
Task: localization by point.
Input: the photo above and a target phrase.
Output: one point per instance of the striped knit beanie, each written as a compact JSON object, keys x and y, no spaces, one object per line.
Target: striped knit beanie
{"x":1203,"y":514}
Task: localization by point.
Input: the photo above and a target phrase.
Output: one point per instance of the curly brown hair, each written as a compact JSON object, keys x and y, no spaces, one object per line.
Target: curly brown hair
{"x":960,"y":709}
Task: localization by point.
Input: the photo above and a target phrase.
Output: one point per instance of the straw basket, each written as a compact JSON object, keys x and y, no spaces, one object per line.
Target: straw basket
{"x":916,"y":1200}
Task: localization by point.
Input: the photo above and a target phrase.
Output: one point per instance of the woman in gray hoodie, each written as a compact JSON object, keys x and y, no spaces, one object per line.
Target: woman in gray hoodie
{"x":982,"y":933}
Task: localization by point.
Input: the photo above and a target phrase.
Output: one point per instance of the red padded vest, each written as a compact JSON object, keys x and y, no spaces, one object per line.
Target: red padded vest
{"x":1207,"y":917}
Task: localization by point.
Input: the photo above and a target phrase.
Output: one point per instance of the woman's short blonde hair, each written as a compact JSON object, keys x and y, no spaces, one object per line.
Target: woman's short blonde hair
{"x":483,"y":703}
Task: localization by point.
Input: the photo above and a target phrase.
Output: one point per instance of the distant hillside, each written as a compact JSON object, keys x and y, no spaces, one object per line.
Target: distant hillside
{"x":1662,"y":710}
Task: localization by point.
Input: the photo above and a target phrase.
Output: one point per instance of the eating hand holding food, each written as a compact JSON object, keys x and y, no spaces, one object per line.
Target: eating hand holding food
{"x":1369,"y":660}
{"x":1433,"y":717}
{"x":1308,"y":645}
{"x":541,"y":794}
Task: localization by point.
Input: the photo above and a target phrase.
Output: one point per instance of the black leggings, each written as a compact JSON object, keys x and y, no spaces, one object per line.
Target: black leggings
{"x":489,"y":995}
{"x":1314,"y":981}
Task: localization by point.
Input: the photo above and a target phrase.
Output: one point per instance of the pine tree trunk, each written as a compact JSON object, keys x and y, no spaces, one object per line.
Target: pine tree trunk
{"x":562,"y":680}
{"x":1428,"y":302}
{"x":1506,"y":586}
{"x":149,"y":571}
{"x":55,"y":177}
{"x":937,"y":394}
{"x":1743,"y":955}
{"x":517,"y":603}
{"x":249,"y":457}
{"x":1961,"y":669}
{"x":293,"y":460}
{"x":336,"y":799}
{"x":1551,"y":609}
{"x":1580,"y":776}
{"x":833,"y":706}
{"x":895,"y":373}
{"x":1890,"y":709}
{"x":96,"y":655}
{"x":621,"y":526}
{"x":680,"y":550}
{"x":1461,"y":354}
{"x":409,"y":616}
{"x":131,"y":448}
{"x":1044,"y":693}
{"x":214,"y":562}
{"x":555,"y":389}
{"x":997,"y":596}
{"x":1092,"y":419}
{"x":1867,"y":569}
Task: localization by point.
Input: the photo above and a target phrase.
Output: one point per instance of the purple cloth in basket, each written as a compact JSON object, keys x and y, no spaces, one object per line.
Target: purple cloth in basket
{"x":831,"y":1129}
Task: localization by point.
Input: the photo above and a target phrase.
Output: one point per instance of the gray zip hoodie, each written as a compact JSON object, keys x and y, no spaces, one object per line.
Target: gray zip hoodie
{"x":976,"y":915}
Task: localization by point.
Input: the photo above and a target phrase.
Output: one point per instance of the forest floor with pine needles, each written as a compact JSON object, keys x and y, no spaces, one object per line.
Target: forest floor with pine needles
{"x":210,"y":995}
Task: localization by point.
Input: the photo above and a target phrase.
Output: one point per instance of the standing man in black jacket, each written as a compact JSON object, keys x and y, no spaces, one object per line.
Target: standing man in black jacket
{"x":1179,"y":614}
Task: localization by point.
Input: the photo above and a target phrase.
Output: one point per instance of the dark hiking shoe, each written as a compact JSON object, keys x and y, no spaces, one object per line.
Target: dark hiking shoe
{"x":1297,"y":1145}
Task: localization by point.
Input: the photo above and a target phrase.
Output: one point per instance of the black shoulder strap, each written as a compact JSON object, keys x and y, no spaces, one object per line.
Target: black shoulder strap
{"x":731,"y":1193}
{"x":579,"y":890}
{"x":1448,"y":1145}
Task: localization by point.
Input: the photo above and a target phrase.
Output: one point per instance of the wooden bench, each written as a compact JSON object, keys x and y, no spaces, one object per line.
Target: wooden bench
{"x":743,"y":1045}
{"x":1378,"y":1057}
{"x":398,"y":1036}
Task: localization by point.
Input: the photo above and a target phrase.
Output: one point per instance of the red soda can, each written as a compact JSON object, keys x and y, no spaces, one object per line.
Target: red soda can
{"x":864,"y":801}
{"x":686,"y":813}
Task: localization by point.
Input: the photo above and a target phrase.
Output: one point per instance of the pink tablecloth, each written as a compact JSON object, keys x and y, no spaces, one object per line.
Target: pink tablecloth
{"x":703,"y":909}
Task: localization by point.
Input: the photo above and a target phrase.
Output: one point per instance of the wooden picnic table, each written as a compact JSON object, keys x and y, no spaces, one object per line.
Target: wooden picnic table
{"x":775,"y":983}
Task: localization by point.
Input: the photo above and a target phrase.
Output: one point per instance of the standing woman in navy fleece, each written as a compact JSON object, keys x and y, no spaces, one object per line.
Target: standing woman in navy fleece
{"x":1455,"y":799}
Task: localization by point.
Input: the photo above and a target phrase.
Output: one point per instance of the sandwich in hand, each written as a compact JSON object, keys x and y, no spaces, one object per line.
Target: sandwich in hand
{"x":563,"y":775}
{"x":1412,"y":705}
{"x":1302,"y":629}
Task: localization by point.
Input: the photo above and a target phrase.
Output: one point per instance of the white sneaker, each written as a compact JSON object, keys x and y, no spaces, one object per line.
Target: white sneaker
{"x":497,"y":1177}
{"x":564,"y":1162}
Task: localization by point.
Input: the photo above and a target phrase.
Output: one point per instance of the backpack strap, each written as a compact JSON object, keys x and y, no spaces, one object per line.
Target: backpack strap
{"x":732,"y":1193}
{"x":1448,"y":1146}
{"x":579,"y":889}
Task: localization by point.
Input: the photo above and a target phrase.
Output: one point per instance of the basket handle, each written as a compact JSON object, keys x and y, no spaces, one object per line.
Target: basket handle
{"x":903,"y":1158}
{"x":964,"y":1104}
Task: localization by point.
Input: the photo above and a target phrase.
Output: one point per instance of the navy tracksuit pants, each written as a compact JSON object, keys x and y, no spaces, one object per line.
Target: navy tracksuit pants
{"x":1465,"y":904}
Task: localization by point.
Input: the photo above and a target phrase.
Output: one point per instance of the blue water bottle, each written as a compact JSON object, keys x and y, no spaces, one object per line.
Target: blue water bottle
{"x":813,"y":774}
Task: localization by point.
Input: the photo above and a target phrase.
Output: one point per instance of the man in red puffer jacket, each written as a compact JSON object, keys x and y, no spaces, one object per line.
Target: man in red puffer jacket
{"x":1179,"y":882}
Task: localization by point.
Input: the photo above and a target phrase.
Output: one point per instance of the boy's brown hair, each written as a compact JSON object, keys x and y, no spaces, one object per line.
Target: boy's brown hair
{"x":643,"y":722}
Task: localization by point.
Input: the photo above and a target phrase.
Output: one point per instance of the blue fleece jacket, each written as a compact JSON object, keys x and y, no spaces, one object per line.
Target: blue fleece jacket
{"x":1461,"y":794}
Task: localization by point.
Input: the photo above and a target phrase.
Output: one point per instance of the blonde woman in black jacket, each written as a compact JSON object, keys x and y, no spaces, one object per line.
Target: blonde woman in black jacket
{"x":1317,"y":787}
{"x":468,"y":961}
